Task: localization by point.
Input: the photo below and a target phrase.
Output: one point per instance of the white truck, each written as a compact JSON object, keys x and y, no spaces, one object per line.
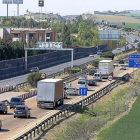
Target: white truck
{"x":50,"y":93}
{"x":105,"y":68}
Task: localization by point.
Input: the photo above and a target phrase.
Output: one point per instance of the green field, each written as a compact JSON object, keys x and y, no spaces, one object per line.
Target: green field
{"x":132,"y":25}
{"x":130,"y":15}
{"x":127,"y":128}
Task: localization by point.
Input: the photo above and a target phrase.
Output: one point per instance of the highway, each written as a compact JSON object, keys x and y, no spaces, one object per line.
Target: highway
{"x":13,"y":126}
{"x":20,"y":79}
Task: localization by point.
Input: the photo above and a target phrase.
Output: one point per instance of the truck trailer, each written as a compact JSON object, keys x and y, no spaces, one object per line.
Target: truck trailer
{"x":50,"y":93}
{"x":106,"y":68}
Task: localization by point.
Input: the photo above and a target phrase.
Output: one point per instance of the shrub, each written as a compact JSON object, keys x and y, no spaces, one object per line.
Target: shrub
{"x":138,"y":44}
{"x":33,"y":78}
{"x":73,"y":70}
{"x":108,"y":55}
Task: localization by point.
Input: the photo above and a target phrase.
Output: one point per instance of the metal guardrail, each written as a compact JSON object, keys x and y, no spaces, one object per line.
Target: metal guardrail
{"x":66,"y":79}
{"x":46,"y":124}
{"x":21,"y":85}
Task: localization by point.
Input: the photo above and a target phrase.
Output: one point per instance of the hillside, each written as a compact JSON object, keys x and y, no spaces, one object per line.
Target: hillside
{"x":115,"y":19}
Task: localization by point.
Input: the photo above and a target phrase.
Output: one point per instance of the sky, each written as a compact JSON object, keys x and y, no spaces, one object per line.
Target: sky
{"x":69,"y":7}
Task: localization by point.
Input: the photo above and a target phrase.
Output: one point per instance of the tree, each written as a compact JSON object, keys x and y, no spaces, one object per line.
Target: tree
{"x":107,"y":55}
{"x":65,"y":35}
{"x":8,"y":23}
{"x":33,"y":78}
{"x":138,"y":44}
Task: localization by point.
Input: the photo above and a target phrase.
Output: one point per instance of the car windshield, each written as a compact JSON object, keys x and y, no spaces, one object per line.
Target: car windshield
{"x":34,"y":68}
{"x":0,"y":104}
{"x":91,"y":80}
{"x":81,"y":82}
{"x":15,"y":100}
{"x":97,"y":75}
{"x":71,"y":89}
{"x":20,"y":108}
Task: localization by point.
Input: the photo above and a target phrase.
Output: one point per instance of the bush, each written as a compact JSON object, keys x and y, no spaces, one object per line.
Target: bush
{"x":73,"y":70}
{"x":33,"y":78}
{"x":108,"y":55}
{"x":138,"y":44}
{"x":96,"y":62}
{"x":138,"y":49}
{"x":84,"y":67}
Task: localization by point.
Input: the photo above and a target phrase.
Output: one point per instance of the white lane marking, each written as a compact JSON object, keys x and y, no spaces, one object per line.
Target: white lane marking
{"x":1,"y":133}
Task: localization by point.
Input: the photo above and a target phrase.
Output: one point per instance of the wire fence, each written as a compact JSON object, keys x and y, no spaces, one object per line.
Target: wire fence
{"x":85,"y":131}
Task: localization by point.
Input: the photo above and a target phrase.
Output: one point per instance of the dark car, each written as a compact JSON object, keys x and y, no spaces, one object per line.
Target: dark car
{"x":16,"y":101}
{"x":22,"y":111}
{"x":92,"y":82}
{"x":91,"y":72}
{"x":3,"y":108}
{"x":121,"y":62}
{"x":34,"y":69}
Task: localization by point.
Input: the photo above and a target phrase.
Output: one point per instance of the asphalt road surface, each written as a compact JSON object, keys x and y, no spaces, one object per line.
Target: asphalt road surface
{"x":12,"y":126}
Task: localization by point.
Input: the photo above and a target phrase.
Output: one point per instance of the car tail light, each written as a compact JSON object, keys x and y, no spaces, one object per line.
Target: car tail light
{"x":51,"y":105}
{"x":25,"y":110}
{"x":14,"y":109}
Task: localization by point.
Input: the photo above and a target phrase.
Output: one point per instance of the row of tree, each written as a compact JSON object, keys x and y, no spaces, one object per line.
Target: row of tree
{"x":13,"y":50}
{"x":82,"y":33}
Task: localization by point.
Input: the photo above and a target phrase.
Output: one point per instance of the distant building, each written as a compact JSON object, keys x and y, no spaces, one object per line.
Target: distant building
{"x":45,"y":35}
{"x":5,"y":33}
{"x":134,"y":11}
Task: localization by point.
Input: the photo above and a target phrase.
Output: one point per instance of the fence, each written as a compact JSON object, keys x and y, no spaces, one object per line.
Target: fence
{"x":56,"y":118}
{"x":88,"y":130}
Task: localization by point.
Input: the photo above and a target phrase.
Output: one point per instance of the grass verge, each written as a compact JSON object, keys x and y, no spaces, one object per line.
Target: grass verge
{"x":127,"y":128}
{"x":124,"y":55}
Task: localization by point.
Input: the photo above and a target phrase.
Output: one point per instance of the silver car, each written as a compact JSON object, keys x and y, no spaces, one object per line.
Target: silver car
{"x":122,"y":67}
{"x":0,"y":124}
{"x":72,"y":90}
{"x":22,"y":111}
{"x":82,"y":83}
{"x":3,"y":108}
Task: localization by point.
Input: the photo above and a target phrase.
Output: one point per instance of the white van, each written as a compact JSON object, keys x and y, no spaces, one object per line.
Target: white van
{"x":97,"y":77}
{"x":82,"y":83}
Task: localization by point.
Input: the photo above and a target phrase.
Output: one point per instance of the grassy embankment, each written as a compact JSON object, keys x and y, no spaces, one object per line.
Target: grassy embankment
{"x":127,"y":128}
{"x":124,"y":55}
{"x":132,"y":25}
{"x":104,"y":110}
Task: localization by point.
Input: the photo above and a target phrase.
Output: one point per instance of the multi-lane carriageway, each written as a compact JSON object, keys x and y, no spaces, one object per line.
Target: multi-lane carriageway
{"x":14,"y":127}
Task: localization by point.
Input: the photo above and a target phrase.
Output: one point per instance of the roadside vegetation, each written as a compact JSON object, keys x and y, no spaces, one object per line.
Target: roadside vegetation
{"x":96,"y":62}
{"x":87,"y":123}
{"x":132,"y":25}
{"x":124,"y":55}
{"x":125,"y":128}
{"x":85,"y":30}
